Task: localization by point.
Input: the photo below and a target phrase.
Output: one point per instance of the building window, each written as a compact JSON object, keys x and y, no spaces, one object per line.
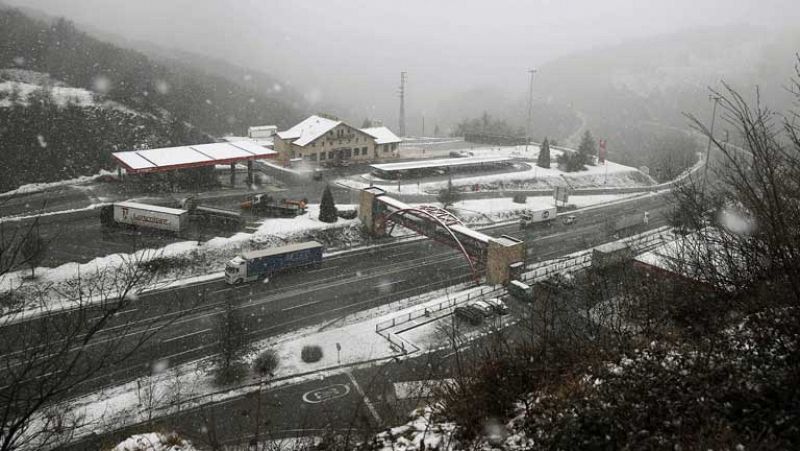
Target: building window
{"x":293,"y":155}
{"x":330,"y":155}
{"x":321,"y":156}
{"x":363,"y":151}
{"x":394,"y":146}
{"x":313,"y":144}
{"x":385,"y":148}
{"x":313,"y":157}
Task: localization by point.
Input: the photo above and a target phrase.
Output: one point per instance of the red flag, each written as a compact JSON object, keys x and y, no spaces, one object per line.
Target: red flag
{"x":602,"y":156}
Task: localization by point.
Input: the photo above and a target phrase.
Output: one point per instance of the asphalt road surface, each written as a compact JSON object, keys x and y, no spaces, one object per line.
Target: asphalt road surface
{"x":341,"y":285}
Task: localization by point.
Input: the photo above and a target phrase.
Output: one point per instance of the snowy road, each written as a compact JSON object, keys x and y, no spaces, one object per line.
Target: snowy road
{"x":344,"y":284}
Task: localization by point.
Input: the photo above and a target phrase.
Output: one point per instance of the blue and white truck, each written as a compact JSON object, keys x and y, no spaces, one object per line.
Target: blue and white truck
{"x":263,"y":264}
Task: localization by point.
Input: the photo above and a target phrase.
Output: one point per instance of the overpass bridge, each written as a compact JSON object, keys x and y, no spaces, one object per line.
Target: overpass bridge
{"x":495,"y":258}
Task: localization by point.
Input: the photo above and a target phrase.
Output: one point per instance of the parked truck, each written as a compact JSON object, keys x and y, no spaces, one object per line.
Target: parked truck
{"x":265,"y":204}
{"x":150,"y":216}
{"x":534,"y":216}
{"x":263,"y":264}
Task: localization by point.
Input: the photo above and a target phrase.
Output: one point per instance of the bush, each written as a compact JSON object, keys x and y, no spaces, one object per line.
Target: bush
{"x":347,"y":214}
{"x":311,"y":354}
{"x":266,"y":363}
{"x":519,"y":198}
{"x":231,"y":374}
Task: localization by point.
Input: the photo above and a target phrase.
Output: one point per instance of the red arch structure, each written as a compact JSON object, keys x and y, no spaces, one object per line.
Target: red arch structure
{"x":445,"y":219}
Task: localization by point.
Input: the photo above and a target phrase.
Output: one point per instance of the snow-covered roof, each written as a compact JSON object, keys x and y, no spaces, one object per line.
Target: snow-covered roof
{"x":683,"y":255}
{"x":308,"y":130}
{"x":154,"y":208}
{"x":382,"y":135}
{"x":170,"y":158}
{"x":442,"y":162}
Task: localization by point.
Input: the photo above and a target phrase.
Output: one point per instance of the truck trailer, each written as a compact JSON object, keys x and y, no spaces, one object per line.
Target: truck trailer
{"x":150,"y":216}
{"x":263,"y":264}
{"x":533,"y":216}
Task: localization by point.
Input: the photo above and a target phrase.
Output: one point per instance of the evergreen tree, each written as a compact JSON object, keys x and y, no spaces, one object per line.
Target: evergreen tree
{"x":327,"y":208}
{"x":572,"y":161}
{"x":448,"y":196}
{"x":436,"y":131}
{"x":544,"y":155}
{"x":366,"y":124}
{"x":588,"y":147}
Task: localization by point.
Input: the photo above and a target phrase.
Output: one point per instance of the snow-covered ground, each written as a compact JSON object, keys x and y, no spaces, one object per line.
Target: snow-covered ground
{"x":607,"y":175}
{"x":170,"y":389}
{"x":39,"y":187}
{"x":475,"y":210}
{"x":61,"y":94}
{"x":215,"y":253}
{"x":154,"y":441}
{"x":273,"y":231}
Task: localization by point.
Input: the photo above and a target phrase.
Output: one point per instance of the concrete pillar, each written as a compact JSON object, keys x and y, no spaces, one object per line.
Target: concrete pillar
{"x":233,"y":174}
{"x":249,"y":172}
{"x":501,"y":254}
{"x":367,"y":210}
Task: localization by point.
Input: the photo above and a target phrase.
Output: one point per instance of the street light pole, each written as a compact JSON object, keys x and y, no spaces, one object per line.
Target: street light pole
{"x":716,"y":100}
{"x":530,"y":110}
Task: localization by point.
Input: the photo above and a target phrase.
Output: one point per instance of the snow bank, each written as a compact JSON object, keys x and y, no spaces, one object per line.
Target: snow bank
{"x":154,"y":441}
{"x":204,"y":258}
{"x":39,"y":187}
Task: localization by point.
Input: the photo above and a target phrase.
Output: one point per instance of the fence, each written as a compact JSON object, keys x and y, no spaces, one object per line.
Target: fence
{"x":537,"y":272}
{"x":427,"y":310}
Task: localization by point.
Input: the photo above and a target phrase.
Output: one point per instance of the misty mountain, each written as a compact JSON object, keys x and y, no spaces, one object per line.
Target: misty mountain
{"x":636,"y":95}
{"x":52,"y":131}
{"x":213,"y":103}
{"x":72,"y":99}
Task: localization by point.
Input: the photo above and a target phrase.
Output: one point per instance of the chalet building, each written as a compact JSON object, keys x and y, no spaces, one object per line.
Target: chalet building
{"x":323,"y":140}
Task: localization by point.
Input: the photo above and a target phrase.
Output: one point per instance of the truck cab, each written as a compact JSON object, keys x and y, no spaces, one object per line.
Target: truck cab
{"x":520,"y":290}
{"x":235,"y":270}
{"x":525,"y":220}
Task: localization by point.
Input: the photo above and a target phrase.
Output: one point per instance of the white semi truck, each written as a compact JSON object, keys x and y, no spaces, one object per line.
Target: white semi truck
{"x":150,"y":216}
{"x":533,"y":216}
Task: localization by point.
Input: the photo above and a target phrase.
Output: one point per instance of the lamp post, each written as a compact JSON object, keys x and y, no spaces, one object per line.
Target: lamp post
{"x":716,"y":100}
{"x":530,"y":110}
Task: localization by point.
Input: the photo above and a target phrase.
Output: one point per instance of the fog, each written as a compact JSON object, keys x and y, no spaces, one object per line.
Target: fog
{"x":350,"y":53}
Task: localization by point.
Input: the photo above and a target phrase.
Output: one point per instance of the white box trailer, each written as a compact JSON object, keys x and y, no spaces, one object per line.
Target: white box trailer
{"x":150,"y":216}
{"x":541,"y":215}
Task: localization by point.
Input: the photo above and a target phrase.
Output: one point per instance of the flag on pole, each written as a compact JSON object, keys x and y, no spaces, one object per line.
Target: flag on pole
{"x":602,"y":154}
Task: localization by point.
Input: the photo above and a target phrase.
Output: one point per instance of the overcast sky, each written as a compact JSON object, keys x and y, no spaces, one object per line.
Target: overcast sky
{"x":347,"y":48}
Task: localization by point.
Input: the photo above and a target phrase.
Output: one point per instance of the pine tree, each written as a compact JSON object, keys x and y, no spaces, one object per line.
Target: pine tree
{"x":366,"y":124}
{"x":449,"y":195}
{"x":543,"y":161}
{"x":327,"y":208}
{"x":588,"y":147}
{"x":436,"y":131}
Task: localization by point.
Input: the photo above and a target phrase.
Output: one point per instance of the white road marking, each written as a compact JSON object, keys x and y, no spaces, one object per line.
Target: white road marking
{"x":186,"y":335}
{"x":367,"y":402}
{"x":300,"y":305}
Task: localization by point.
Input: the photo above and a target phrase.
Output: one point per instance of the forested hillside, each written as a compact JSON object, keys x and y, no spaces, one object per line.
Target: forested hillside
{"x":73,"y":99}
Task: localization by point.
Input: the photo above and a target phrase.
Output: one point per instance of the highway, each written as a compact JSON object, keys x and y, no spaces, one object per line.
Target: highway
{"x":342,"y":284}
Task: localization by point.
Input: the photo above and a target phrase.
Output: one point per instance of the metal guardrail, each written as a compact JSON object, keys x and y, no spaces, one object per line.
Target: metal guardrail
{"x":537,"y":272}
{"x":427,"y":310}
